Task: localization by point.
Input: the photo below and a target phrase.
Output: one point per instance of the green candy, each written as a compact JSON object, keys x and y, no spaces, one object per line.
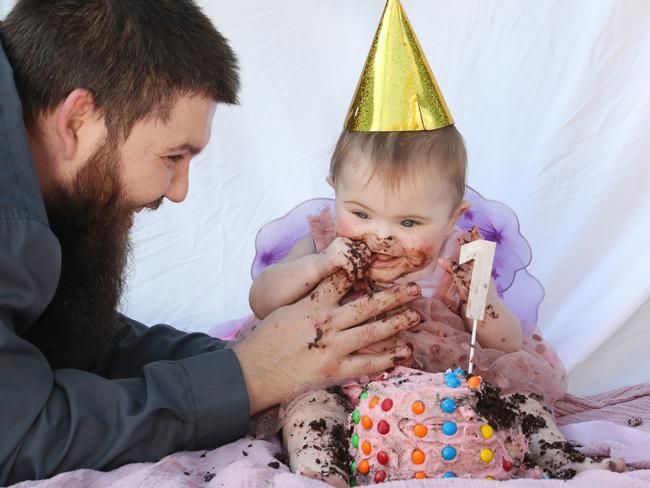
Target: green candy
{"x":355,"y":440}
{"x":356,"y":417}
{"x":363,"y":395}
{"x":353,"y":467}
{"x":352,"y":482}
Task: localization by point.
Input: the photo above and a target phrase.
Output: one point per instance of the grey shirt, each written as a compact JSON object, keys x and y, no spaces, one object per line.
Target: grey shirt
{"x":167,"y":390}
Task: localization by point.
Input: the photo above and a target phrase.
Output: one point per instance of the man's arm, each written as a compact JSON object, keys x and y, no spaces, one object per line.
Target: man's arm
{"x":53,"y":421}
{"x":139,"y":345}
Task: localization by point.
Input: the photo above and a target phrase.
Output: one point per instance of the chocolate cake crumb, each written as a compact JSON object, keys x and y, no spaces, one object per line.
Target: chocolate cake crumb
{"x":531,"y":424}
{"x":318,"y":425}
{"x":565,"y":474}
{"x":186,"y":473}
{"x":274,"y":465}
{"x":319,"y":336}
{"x":250,"y":445}
{"x":244,"y":453}
{"x":282,"y":457}
{"x":208,"y":477}
{"x":501,"y":413}
{"x":634,"y":421}
{"x":204,"y":454}
{"x":339,"y":449}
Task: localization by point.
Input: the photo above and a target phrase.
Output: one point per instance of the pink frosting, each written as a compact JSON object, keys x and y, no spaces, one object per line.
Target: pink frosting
{"x":406,"y":386}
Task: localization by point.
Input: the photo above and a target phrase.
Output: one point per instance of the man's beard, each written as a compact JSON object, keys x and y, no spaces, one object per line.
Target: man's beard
{"x":79,"y":327}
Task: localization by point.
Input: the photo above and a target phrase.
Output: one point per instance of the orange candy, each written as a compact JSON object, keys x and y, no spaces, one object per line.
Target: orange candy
{"x":420,"y":475}
{"x":373,"y":402}
{"x":417,"y":408}
{"x":366,"y":447}
{"x":417,"y":457}
{"x":474,"y":382}
{"x":364,"y":467}
{"x":420,"y":430}
{"x":366,"y":422}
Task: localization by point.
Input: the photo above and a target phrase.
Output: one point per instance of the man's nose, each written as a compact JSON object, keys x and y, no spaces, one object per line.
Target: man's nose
{"x":179,"y":184}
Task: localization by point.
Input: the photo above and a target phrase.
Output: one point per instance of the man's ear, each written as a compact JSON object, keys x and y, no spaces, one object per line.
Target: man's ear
{"x":460,"y":210}
{"x":330,"y":180}
{"x":77,"y":109}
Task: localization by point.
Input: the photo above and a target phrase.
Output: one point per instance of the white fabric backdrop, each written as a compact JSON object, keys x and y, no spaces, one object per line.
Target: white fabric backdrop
{"x":552,"y":98}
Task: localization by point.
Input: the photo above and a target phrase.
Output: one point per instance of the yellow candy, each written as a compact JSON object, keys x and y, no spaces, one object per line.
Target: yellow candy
{"x":489,"y":477}
{"x":487,"y":455}
{"x":487,"y":431}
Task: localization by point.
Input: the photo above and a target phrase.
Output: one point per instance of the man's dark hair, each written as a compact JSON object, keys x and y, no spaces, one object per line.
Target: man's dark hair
{"x":134,"y":56}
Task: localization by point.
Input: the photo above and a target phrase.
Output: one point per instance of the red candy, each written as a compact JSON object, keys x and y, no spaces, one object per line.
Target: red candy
{"x":382,"y":457}
{"x":380,"y":476}
{"x":507,"y":465}
{"x":387,"y":404}
{"x":383,"y":428}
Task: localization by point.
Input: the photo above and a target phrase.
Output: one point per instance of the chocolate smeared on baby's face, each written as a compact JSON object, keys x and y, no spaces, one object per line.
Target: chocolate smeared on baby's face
{"x":404,"y":225}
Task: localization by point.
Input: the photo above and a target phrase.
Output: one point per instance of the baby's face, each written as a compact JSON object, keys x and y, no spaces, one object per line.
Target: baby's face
{"x":404,"y":226}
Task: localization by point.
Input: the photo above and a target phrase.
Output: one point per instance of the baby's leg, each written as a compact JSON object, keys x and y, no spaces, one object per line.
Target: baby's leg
{"x":549,"y":449}
{"x":316,"y":436}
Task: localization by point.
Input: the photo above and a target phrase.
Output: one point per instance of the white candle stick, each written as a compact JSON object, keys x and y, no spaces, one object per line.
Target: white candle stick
{"x":482,"y":253}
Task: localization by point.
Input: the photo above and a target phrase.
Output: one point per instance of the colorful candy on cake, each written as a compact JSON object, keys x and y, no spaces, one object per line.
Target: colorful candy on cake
{"x":409,"y":424}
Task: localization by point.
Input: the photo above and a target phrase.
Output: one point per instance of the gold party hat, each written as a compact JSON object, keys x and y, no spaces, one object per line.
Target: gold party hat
{"x":397,"y":90}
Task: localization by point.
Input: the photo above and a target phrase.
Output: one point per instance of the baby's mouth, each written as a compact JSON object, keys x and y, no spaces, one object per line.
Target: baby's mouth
{"x":384,"y":260}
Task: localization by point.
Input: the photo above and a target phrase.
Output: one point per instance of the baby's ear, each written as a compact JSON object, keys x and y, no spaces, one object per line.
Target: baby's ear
{"x":458,"y":213}
{"x":330,"y":180}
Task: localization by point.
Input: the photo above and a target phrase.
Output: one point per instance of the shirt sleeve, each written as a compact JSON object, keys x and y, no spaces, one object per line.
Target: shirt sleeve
{"x":184,"y":392}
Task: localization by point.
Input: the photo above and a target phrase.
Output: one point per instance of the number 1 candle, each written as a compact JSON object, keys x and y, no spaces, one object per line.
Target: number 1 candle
{"x":482,"y":253}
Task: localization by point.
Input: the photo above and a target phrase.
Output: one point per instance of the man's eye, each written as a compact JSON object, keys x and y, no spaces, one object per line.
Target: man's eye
{"x":361,"y":215}
{"x":176,"y":158}
{"x":408,"y":223}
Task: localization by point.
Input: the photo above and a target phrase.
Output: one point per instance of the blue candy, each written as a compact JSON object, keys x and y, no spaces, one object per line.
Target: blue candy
{"x":448,"y":405}
{"x":448,"y":453}
{"x":449,"y":428}
{"x":450,"y":374}
{"x":459,"y":371}
{"x":453,"y":382}
{"x":449,"y":474}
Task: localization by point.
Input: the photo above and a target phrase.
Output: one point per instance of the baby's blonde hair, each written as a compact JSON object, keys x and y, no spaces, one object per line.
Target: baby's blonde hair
{"x":394,"y":155}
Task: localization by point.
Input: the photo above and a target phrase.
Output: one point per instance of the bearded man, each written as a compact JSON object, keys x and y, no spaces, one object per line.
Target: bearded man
{"x":103,"y":104}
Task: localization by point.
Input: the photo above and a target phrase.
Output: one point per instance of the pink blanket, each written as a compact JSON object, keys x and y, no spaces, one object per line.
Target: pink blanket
{"x":251,"y":463}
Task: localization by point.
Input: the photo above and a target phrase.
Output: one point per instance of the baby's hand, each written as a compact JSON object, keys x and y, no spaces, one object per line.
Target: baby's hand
{"x":351,"y":256}
{"x":461,"y":275}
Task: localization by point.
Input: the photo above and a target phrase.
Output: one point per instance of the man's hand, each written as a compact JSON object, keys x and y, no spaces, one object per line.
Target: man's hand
{"x":352,"y":256}
{"x":317,"y":339}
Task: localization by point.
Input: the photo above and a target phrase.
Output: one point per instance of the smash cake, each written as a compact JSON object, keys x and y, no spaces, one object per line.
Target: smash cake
{"x":410,"y":424}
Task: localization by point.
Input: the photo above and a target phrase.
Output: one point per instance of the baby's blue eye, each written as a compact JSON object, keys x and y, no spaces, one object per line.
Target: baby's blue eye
{"x":361,"y":215}
{"x":408,"y":223}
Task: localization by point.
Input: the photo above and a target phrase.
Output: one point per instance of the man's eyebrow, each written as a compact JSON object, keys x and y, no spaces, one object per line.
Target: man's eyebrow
{"x":193,"y":150}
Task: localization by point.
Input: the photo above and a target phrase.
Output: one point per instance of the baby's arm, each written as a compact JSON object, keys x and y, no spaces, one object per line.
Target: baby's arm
{"x":500,"y":329}
{"x":293,"y":278}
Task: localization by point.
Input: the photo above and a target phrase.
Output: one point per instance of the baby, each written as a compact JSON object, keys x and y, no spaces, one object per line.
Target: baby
{"x":398,"y":196}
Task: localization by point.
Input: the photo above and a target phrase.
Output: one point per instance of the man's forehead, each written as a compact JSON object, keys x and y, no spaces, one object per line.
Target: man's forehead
{"x":187,"y":128}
